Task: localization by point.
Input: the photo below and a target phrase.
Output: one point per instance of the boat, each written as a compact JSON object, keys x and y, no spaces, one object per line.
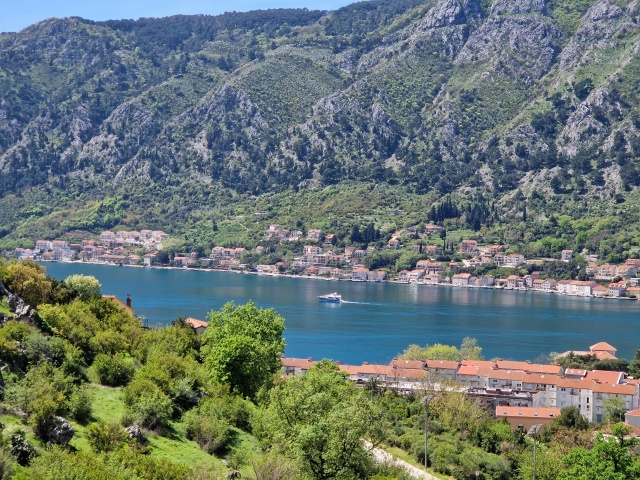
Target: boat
{"x":334,"y":297}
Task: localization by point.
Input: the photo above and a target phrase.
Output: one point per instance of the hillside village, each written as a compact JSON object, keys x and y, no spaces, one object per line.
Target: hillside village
{"x":432,"y":260}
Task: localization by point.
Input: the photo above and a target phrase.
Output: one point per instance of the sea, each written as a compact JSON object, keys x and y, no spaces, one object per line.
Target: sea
{"x":377,"y":321}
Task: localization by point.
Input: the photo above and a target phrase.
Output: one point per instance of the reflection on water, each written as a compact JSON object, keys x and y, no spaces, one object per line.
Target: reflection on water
{"x":377,"y":321}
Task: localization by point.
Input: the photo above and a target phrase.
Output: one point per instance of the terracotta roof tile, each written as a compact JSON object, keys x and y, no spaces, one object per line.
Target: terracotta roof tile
{"x":527,"y":412}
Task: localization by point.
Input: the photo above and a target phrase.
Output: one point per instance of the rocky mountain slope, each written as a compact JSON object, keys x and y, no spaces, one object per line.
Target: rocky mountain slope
{"x":521,"y":101}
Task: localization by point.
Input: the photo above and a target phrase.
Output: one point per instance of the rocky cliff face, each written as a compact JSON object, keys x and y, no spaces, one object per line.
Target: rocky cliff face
{"x":437,"y":95}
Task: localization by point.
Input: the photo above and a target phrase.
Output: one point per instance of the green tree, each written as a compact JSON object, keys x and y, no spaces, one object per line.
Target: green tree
{"x":86,"y":287}
{"x":470,"y":349}
{"x":321,"y":419}
{"x":242,"y":347}
{"x":610,"y":458}
{"x":614,"y":408}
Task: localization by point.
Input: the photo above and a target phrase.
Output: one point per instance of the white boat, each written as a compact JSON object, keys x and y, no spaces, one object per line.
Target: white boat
{"x":334,"y":297}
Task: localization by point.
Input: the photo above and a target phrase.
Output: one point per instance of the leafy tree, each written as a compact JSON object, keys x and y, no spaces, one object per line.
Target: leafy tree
{"x":610,"y":458}
{"x":470,"y":349}
{"x":614,"y":408}
{"x":28,"y":281}
{"x":321,"y":419}
{"x":242,"y":347}
{"x":86,"y":287}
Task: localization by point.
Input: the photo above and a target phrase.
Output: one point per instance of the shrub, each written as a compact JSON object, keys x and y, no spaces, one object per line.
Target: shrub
{"x":209,"y":430}
{"x":80,"y":405}
{"x":114,"y":370}
{"x":21,"y":450}
{"x":85,"y":287}
{"x":105,"y":437}
{"x":146,"y":405}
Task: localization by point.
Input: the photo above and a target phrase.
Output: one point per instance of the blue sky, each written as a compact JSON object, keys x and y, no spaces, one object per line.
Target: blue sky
{"x":18,"y":14}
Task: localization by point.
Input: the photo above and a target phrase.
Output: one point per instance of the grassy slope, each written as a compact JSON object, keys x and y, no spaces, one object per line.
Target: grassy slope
{"x":108,"y":406}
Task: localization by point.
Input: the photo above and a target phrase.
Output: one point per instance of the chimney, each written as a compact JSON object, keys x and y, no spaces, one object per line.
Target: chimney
{"x":129,"y":300}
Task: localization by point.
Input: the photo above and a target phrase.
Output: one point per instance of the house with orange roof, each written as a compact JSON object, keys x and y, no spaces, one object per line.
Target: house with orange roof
{"x":603,"y":347}
{"x":120,"y":304}
{"x":529,"y":367}
{"x":198,"y":325}
{"x":469,"y":246}
{"x":599,"y":291}
{"x":549,"y":284}
{"x":604,"y":391}
{"x":445,"y":369}
{"x":415,"y":364}
{"x":606,"y":376}
{"x":632,"y":417}
{"x":460,"y":279}
{"x":523,"y":418}
{"x":617,"y":289}
{"x":296,"y":366}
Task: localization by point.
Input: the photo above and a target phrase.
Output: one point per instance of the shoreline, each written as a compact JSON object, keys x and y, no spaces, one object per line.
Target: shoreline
{"x":331,"y":279}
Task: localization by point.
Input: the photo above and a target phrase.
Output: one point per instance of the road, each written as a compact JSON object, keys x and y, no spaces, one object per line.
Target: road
{"x":385,"y":457}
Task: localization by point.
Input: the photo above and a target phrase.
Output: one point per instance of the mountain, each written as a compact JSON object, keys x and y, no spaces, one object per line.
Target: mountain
{"x":180,"y":122}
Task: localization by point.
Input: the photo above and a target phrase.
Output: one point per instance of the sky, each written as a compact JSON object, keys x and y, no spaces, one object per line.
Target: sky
{"x":18,"y":14}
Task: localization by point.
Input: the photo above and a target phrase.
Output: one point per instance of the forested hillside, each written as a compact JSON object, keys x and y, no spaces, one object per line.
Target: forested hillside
{"x":523,"y":104}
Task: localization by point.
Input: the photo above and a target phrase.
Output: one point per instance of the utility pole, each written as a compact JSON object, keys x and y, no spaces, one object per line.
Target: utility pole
{"x":533,"y":431}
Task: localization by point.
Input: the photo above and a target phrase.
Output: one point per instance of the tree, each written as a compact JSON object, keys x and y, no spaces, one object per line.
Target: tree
{"x":614,"y":408}
{"x":242,"y":347}
{"x":321,"y":419}
{"x":470,"y":350}
{"x":86,"y":287}
{"x":609,"y":459}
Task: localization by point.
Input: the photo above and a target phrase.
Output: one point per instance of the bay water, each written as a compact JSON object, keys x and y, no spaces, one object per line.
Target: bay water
{"x":378,"y":320}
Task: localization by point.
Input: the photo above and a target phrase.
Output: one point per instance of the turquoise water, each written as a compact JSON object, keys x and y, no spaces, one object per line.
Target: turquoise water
{"x":379,"y":320}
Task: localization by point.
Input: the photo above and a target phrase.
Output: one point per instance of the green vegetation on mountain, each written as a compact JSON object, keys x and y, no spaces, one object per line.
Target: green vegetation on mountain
{"x":187,"y":122}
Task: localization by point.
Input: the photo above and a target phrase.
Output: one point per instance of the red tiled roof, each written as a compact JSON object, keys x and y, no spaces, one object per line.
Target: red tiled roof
{"x":580,"y":383}
{"x":615,"y":389}
{"x":447,"y":364}
{"x":297,"y":362}
{"x":479,"y":363}
{"x":604,"y":356}
{"x":541,"y":379}
{"x":417,"y":364}
{"x":527,"y":412}
{"x":528,"y":367}
{"x":575,"y":372}
{"x":600,"y":346}
{"x":604,"y":376}
{"x":195,"y":323}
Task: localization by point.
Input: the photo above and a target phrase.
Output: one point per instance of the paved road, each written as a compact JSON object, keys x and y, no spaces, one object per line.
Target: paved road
{"x":383,"y":456}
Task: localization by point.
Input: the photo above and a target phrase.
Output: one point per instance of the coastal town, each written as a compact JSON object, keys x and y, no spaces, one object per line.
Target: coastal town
{"x":320,"y":255}
{"x":520,"y":391}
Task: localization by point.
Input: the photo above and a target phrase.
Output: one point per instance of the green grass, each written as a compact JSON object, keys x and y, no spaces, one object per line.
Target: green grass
{"x":171,"y":444}
{"x":4,"y":306}
{"x":108,"y":404}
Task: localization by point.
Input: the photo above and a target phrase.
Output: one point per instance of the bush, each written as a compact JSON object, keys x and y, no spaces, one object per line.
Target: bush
{"x":85,"y":287}
{"x":80,"y":405}
{"x":20,"y":448}
{"x":105,"y":437}
{"x":146,"y":405}
{"x":210,"y":431}
{"x":114,"y":370}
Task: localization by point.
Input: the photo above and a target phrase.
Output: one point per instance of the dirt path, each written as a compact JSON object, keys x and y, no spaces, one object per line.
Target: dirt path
{"x":382,"y":457}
